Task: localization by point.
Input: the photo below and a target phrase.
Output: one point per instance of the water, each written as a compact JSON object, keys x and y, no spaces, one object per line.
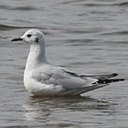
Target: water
{"x":88,"y":36}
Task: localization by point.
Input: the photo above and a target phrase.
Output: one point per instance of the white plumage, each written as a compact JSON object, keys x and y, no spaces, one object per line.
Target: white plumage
{"x":41,"y":78}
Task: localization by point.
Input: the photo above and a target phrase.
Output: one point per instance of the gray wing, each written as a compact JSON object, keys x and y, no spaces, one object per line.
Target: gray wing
{"x":63,"y":77}
{"x":70,"y":82}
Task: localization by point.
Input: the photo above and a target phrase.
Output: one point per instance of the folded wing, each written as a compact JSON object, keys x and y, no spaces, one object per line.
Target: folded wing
{"x":72,"y":83}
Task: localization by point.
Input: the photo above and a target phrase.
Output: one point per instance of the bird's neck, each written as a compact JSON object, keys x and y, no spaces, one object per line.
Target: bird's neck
{"x":36,"y":56}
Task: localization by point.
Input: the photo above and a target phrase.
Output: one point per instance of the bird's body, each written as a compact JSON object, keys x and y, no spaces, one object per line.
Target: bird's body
{"x":42,"y":78}
{"x":50,"y":80}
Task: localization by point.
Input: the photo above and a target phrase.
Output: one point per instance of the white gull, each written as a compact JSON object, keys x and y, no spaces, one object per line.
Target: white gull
{"x":42,"y":78}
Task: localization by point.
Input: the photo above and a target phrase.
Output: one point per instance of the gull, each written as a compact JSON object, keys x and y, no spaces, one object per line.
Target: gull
{"x":43,"y":79}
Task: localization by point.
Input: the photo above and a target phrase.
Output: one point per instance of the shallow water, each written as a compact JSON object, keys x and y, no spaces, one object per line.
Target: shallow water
{"x":86,"y":36}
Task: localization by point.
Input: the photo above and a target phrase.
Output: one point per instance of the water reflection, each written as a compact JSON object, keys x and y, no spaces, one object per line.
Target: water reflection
{"x":53,"y":108}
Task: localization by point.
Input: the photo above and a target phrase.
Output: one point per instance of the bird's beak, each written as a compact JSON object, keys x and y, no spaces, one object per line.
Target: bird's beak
{"x":17,"y":39}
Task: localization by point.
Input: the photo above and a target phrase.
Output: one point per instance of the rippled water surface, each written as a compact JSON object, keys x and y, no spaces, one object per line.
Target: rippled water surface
{"x":88,"y":36}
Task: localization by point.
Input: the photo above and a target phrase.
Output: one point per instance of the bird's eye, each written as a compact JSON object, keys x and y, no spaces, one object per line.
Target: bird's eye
{"x":29,"y":35}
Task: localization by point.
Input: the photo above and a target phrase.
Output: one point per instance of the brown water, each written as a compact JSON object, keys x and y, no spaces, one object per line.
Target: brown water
{"x":88,"y":36}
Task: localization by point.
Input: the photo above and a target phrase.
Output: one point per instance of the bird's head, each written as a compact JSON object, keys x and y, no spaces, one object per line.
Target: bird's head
{"x":32,"y":36}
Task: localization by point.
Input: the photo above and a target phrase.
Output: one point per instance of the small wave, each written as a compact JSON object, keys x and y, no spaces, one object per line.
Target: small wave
{"x":20,"y":8}
{"x":96,"y":4}
{"x":120,"y":42}
{"x":116,"y":33}
{"x":5,"y":7}
{"x":24,"y":8}
{"x":105,"y":4}
{"x":15,"y":126}
{"x":122,"y":4}
{"x":79,"y":42}
{"x":9,"y":27}
{"x":89,"y":4}
{"x":6,"y":27}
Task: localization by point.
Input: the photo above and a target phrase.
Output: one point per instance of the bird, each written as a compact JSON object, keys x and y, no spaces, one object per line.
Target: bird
{"x":44,"y":79}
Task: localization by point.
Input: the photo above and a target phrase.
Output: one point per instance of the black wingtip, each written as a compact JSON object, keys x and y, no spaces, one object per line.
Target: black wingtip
{"x":106,"y":81}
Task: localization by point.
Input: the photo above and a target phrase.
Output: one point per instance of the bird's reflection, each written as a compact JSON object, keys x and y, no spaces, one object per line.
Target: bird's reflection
{"x":42,"y":109}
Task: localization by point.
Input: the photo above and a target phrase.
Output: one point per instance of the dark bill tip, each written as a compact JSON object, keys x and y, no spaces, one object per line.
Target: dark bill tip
{"x":17,"y":39}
